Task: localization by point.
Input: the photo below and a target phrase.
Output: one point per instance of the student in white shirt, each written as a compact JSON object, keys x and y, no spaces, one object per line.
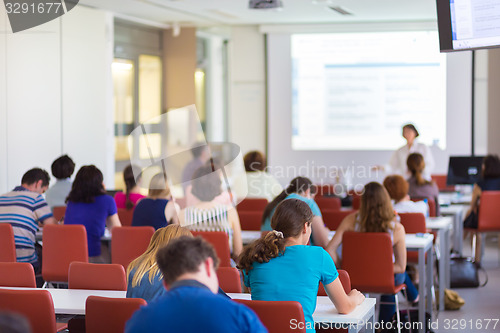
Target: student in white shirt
{"x":397,"y":187}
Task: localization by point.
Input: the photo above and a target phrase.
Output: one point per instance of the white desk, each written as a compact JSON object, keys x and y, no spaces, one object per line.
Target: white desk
{"x":72,"y":301}
{"x":326,"y":312}
{"x":442,"y":225}
{"x":423,"y":244}
{"x":458,"y":213}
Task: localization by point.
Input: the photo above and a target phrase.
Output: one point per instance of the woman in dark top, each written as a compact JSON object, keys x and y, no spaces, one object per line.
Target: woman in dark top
{"x":157,"y":209}
{"x":490,"y":181}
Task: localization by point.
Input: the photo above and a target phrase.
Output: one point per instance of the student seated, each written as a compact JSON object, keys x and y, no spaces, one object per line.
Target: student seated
{"x":419,"y":186}
{"x":132,"y":177}
{"x":208,"y":214}
{"x":303,"y":189}
{"x":62,"y":168}
{"x":189,"y":268}
{"x":397,"y":187}
{"x":89,"y":205}
{"x":377,"y":215}
{"x":281,"y":266}
{"x":157,"y":209}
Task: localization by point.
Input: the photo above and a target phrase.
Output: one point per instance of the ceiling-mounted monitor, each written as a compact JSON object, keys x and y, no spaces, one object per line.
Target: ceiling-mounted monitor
{"x":468,"y":24}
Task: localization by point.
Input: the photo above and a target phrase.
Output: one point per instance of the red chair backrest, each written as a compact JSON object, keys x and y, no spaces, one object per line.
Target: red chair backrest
{"x":62,"y":244}
{"x":7,"y":243}
{"x":413,"y":223}
{"x":344,"y":279}
{"x":328,"y":203}
{"x":128,"y":243}
{"x":356,"y":201}
{"x":250,"y":220}
{"x":252,"y":204}
{"x":489,"y":212}
{"x":367,"y":257}
{"x":220,"y":241}
{"x":229,"y":279}
{"x":277,"y":316}
{"x":35,"y":305}
{"x":440,"y":181}
{"x":59,"y":212}
{"x":431,"y":202}
{"x":17,"y":274}
{"x":108,"y":315}
{"x":84,"y":275}
{"x":333,"y":218}
{"x":125,"y":216}
{"x":325,"y":190}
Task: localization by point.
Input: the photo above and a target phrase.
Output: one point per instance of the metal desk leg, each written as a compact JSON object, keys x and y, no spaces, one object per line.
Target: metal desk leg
{"x":442,"y":269}
{"x":421,"y":287}
{"x":430,"y":273}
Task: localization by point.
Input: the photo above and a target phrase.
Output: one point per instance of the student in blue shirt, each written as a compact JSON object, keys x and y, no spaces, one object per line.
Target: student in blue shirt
{"x":300,"y":188}
{"x":191,"y":304}
{"x":281,"y":267}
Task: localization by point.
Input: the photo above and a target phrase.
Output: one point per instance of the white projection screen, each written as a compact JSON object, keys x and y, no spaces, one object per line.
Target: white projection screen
{"x":342,"y":107}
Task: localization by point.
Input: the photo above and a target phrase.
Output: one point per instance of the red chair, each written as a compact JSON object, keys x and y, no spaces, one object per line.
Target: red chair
{"x":277,"y":316}
{"x":440,"y":181}
{"x":367,"y":257}
{"x":328,"y":203}
{"x":489,"y":215}
{"x":432,"y":205}
{"x":325,"y":190}
{"x":125,"y":216}
{"x":344,"y":279}
{"x":7,"y":243}
{"x":250,"y":220}
{"x":128,"y":243}
{"x":17,"y":274}
{"x":62,"y":244}
{"x":83,"y":275}
{"x":252,"y":204}
{"x":356,"y":201}
{"x":59,"y":212}
{"x":109,"y":315}
{"x":333,"y":218}
{"x":220,"y":241}
{"x":229,"y":279}
{"x":413,"y":223}
{"x":35,"y":305}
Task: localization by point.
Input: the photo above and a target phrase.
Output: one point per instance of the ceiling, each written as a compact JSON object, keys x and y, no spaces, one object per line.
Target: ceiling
{"x":236,"y":12}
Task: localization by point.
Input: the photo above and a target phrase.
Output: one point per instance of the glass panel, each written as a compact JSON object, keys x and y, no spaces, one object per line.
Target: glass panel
{"x":149,"y":146}
{"x":123,"y":85}
{"x":149,"y":87}
{"x":122,"y":148}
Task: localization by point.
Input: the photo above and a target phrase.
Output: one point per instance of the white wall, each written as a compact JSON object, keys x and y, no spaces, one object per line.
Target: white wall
{"x":247,"y":95}
{"x":56,"y":74}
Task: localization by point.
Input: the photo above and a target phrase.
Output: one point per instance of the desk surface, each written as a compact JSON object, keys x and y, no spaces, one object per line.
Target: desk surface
{"x":441,"y":222}
{"x":326,"y":312}
{"x":72,"y":301}
{"x":106,"y":237}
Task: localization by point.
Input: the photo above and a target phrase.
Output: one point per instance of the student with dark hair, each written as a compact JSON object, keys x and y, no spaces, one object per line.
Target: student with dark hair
{"x":300,"y":188}
{"x":280,"y":266}
{"x":377,"y":215}
{"x":189,"y":273}
{"x":490,"y":181}
{"x":208,"y":214}
{"x":25,"y":209}
{"x":257,"y":182}
{"x":89,"y":205}
{"x":419,"y":186}
{"x":132,"y":176}
{"x":157,"y":209}
{"x":201,"y":155}
{"x":397,"y":187}
{"x":62,"y":169}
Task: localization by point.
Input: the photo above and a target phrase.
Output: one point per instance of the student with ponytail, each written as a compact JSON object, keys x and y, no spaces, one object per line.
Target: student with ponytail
{"x":280,"y":266}
{"x":132,"y":178}
{"x":303,"y":189}
{"x":419,"y":186}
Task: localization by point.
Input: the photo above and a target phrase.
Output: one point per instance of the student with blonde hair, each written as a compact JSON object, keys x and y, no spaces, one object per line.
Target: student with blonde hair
{"x":143,"y":275}
{"x":157,"y":209}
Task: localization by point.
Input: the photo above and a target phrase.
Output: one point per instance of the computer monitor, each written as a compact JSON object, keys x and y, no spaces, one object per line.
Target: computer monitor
{"x":464,"y":170}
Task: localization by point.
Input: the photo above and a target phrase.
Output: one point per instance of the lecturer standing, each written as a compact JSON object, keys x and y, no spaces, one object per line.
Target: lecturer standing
{"x":397,"y":163}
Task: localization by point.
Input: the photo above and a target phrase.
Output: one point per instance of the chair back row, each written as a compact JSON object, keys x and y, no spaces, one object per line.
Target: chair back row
{"x":7,"y":244}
